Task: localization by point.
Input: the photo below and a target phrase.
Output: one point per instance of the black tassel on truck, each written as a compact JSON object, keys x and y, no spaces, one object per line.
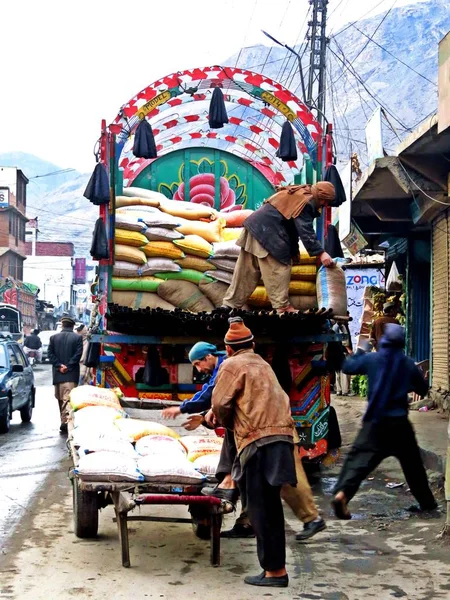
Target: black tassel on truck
{"x":288,"y":149}
{"x":97,"y":189}
{"x":217,"y":112}
{"x":99,"y":247}
{"x":144,"y":141}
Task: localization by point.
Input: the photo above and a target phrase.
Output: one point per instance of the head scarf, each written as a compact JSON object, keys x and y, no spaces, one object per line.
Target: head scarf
{"x":292,"y":199}
{"x":201,"y":349}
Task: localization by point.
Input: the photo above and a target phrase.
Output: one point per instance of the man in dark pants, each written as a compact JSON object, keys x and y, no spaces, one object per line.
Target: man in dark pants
{"x":249,"y":400}
{"x":64,"y":352}
{"x":386,"y":430}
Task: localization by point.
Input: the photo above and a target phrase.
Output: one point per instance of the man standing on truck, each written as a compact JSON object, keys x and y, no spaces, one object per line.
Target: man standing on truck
{"x":206,"y":359}
{"x":249,"y":400}
{"x":386,"y":430}
{"x":269,"y":243}
{"x":64,"y":352}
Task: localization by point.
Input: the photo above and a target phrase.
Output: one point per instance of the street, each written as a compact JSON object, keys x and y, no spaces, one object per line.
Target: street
{"x":382,"y":553}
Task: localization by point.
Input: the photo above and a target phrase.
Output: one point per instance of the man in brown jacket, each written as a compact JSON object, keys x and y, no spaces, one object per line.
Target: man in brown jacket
{"x":249,"y":400}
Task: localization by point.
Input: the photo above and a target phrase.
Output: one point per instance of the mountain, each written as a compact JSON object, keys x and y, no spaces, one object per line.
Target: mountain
{"x":370,"y":76}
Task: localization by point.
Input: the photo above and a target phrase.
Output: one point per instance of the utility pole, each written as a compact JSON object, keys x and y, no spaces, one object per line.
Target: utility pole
{"x":317,"y":58}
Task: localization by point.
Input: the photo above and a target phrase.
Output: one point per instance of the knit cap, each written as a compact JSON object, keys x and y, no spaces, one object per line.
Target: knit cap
{"x":238,"y":332}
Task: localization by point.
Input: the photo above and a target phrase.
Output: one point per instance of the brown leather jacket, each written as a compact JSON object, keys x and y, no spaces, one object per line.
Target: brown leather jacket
{"x":248,"y":399}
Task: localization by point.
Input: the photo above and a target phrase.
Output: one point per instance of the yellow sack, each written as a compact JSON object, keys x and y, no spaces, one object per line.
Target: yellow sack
{"x":304,"y":272}
{"x":89,"y":395}
{"x":135,"y":201}
{"x":196,"y":263}
{"x":194,"y":244}
{"x":259,"y":298}
{"x":302,"y":288}
{"x":165,"y":249}
{"x":130,"y":254}
{"x":199,"y":445}
{"x":188,"y":210}
{"x":305,"y":258}
{"x":130,"y":238}
{"x":136,"y":429}
{"x":231,"y":233}
{"x":211,"y":232}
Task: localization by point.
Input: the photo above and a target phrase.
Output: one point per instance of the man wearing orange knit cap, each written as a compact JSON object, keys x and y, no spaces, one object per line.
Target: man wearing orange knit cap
{"x":269,"y":243}
{"x":249,"y":400}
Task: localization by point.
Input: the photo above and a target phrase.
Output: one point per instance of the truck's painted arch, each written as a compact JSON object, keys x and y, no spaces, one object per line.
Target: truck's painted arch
{"x":252,"y":91}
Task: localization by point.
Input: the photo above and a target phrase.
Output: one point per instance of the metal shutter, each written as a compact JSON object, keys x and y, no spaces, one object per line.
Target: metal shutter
{"x":441,"y":270}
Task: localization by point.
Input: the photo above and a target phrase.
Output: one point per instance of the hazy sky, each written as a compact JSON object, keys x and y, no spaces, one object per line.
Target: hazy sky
{"x":64,"y":67}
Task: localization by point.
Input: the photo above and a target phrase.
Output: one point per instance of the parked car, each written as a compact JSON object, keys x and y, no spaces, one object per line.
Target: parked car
{"x":17,"y":390}
{"x":45,"y":339}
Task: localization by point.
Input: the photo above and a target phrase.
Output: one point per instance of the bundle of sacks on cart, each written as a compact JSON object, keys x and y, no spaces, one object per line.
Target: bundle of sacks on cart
{"x":111,"y":446}
{"x":170,"y":253}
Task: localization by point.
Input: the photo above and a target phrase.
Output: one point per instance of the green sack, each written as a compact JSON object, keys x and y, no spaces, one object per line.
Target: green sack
{"x":141,"y":284}
{"x":185,"y":275}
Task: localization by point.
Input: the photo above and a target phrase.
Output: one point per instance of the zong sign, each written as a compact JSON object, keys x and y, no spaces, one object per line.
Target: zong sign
{"x":4,"y":197}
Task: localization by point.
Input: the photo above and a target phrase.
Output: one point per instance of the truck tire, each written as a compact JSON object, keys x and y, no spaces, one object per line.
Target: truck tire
{"x":26,"y":411}
{"x":5,"y":420}
{"x":85,"y":512}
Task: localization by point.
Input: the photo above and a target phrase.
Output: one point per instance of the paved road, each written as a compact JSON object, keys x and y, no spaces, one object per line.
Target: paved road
{"x":29,"y":453}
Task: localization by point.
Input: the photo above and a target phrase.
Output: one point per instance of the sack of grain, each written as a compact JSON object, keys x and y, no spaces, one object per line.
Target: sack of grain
{"x":96,"y":444}
{"x":187,"y":210}
{"x":230,"y":234}
{"x":122,"y":201}
{"x":183,"y":275}
{"x":89,"y":395}
{"x":137,"y":300}
{"x":96,"y":414}
{"x":163,"y":249}
{"x":163,"y":234}
{"x":107,"y":466}
{"x":193,"y":262}
{"x":220,"y":275}
{"x":332,"y":290}
{"x":211,"y":232}
{"x":136,"y":211}
{"x":155,"y":445}
{"x":130,"y":238}
{"x":226,"y":250}
{"x":137,"y":192}
{"x":185,"y":295}
{"x":129,"y":254}
{"x":303,"y":302}
{"x":236,"y":218}
{"x":169,"y":469}
{"x":160,"y":219}
{"x":200,"y":445}
{"x":214,"y":290}
{"x":259,"y":298}
{"x":194,"y":244}
{"x":136,"y":429}
{"x":129,"y":222}
{"x":305,"y":258}
{"x":302,"y":288}
{"x":124,"y":269}
{"x":225,"y":264}
{"x":304,"y":272}
{"x":208,"y":463}
{"x":140,"y":284}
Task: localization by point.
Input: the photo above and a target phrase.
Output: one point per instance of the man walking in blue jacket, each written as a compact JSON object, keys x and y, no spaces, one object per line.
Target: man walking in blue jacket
{"x":386,"y":430}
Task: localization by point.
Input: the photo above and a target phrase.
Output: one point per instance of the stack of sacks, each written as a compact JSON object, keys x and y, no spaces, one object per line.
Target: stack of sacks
{"x":171,"y":254}
{"x":203,"y":452}
{"x":105,"y":454}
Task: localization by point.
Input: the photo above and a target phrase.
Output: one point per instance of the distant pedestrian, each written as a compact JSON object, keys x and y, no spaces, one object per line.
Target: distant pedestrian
{"x":389,"y":316}
{"x":343,"y":381}
{"x":386,"y":430}
{"x":249,"y":400}
{"x":64,"y":352}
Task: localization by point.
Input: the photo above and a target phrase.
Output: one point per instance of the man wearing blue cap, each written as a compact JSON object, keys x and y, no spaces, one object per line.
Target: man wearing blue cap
{"x":386,"y":430}
{"x":206,"y":359}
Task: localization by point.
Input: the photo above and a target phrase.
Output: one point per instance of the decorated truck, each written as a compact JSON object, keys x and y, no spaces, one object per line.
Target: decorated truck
{"x":171,"y":217}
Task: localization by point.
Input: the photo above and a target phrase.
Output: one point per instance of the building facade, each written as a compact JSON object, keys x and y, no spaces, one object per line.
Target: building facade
{"x":13,"y":205}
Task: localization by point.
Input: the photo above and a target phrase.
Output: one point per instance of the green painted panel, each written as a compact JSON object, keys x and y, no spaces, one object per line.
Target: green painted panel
{"x":197,"y":168}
